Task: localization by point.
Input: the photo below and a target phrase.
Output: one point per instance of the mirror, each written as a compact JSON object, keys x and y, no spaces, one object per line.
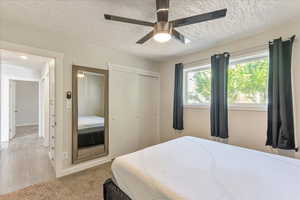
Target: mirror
{"x":90,"y":113}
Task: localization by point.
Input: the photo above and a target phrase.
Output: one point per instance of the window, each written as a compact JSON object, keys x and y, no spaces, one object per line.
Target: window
{"x":247,"y":83}
{"x":198,"y":84}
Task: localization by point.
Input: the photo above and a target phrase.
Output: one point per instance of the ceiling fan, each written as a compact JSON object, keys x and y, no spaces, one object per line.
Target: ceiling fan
{"x":164,"y":29}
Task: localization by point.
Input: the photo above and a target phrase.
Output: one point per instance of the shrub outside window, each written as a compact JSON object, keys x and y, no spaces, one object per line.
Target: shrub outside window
{"x":247,"y":83}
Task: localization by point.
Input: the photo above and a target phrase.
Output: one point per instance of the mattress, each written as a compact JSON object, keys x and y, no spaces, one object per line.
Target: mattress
{"x":198,"y":169}
{"x":85,"y":122}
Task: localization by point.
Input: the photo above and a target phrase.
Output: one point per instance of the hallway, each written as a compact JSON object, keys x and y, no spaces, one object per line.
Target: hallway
{"x":22,"y":131}
{"x":24,"y":161}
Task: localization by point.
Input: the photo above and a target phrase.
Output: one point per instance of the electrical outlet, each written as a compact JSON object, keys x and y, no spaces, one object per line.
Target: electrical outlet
{"x":66,"y":155}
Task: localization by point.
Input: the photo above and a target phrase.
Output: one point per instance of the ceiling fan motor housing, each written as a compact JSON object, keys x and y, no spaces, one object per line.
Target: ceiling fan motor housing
{"x":162,"y":4}
{"x":162,"y":27}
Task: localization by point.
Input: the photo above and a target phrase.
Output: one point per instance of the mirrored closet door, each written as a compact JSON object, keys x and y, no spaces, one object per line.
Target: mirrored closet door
{"x":90,"y":113}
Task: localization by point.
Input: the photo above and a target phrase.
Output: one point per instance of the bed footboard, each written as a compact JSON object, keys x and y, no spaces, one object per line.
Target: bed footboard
{"x":112,"y":192}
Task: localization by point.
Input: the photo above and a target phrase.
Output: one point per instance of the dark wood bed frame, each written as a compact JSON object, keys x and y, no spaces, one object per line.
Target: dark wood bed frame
{"x":112,"y":192}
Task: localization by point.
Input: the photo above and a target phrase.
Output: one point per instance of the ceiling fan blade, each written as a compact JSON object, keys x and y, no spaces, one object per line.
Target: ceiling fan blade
{"x":199,"y":18}
{"x":178,"y":36}
{"x":162,"y":10}
{"x":145,"y":38}
{"x":128,"y":20}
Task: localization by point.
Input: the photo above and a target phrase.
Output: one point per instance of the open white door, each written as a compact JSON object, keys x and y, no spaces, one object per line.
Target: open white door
{"x":45,"y":110}
{"x":12,"y":109}
{"x":52,"y":116}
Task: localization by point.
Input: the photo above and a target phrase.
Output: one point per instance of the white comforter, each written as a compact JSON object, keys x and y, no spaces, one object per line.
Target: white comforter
{"x":198,"y":169}
{"x":90,"y":121}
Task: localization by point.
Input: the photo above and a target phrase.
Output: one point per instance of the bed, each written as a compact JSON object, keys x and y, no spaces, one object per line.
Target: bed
{"x":90,"y":130}
{"x":195,"y":169}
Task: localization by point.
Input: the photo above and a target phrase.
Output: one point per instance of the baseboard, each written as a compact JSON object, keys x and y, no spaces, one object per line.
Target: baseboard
{"x":27,"y":124}
{"x":82,"y":166}
{"x":4,"y":145}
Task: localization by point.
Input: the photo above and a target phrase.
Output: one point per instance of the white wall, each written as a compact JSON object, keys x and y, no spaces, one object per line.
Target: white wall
{"x":246,"y":128}
{"x":0,"y":97}
{"x":27,"y":103}
{"x":74,"y":52}
{"x":19,"y":72}
{"x":11,"y":72}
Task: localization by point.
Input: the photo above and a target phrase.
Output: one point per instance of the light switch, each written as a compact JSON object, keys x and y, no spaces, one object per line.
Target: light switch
{"x":68,"y":104}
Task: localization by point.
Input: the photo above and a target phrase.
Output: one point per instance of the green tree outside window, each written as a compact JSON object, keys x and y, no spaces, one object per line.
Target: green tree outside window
{"x":247,"y":83}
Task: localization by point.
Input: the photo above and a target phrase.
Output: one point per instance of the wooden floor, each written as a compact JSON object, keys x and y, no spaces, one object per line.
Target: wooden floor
{"x":22,"y":131}
{"x":24,"y":161}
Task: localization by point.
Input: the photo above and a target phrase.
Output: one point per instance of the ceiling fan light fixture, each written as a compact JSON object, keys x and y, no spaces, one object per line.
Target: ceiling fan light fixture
{"x":162,"y":32}
{"x":24,"y":57}
{"x":162,"y":37}
{"x":162,"y":9}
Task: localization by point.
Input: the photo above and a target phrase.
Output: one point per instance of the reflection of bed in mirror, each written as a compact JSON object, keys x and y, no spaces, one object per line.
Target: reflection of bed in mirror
{"x":90,"y":131}
{"x":90,"y":113}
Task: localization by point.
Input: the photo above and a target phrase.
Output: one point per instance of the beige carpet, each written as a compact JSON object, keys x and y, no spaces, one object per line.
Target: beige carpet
{"x":85,"y":185}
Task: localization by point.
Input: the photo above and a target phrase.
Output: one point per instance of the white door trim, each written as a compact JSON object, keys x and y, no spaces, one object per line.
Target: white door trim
{"x":128,"y":69}
{"x":12,"y":109}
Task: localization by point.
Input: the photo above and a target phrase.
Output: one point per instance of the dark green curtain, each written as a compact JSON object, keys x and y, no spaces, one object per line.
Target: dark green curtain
{"x":178,"y":98}
{"x":218,"y":108}
{"x":280,"y":132}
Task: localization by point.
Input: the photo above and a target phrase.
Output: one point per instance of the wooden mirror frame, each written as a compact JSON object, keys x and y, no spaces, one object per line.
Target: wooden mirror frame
{"x":92,"y":154}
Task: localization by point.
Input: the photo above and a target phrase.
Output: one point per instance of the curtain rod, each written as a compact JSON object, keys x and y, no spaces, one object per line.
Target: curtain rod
{"x":234,"y":53}
{"x":237,"y":53}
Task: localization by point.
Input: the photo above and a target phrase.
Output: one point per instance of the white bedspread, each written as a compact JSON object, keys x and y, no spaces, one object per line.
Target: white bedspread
{"x":90,"y":122}
{"x":198,"y":169}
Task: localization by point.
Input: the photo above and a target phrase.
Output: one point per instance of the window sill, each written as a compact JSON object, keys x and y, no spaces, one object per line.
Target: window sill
{"x":256,"y":108}
{"x":197,"y":106}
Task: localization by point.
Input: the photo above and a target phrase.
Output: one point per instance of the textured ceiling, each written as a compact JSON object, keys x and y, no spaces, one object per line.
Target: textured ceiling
{"x":83,"y":20}
{"x":34,"y":62}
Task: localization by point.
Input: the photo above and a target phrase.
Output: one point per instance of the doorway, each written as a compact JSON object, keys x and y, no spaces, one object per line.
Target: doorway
{"x":27,"y":120}
{"x":23,"y":108}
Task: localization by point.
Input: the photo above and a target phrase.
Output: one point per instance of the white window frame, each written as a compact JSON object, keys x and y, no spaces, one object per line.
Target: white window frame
{"x":240,"y":106}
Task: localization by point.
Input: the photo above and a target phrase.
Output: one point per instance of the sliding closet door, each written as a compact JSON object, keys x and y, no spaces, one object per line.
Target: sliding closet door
{"x":148,"y":110}
{"x":123,"y":101}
